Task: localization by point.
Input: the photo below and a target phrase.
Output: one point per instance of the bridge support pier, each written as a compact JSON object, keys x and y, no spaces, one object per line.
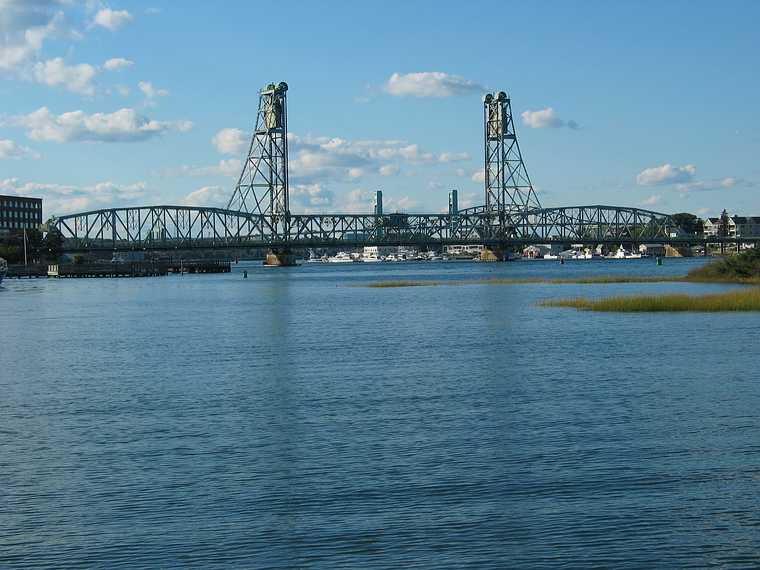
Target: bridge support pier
{"x":280,"y":258}
{"x":493,"y":254}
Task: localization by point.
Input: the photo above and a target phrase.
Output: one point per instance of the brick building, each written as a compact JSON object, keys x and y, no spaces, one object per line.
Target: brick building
{"x":18,"y":213}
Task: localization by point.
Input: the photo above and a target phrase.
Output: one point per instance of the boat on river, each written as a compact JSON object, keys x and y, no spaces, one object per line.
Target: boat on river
{"x":621,"y":253}
{"x":3,"y":269}
{"x":314,"y":258}
{"x":341,"y":257}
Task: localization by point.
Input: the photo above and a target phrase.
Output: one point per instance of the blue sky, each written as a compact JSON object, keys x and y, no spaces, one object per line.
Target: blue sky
{"x":650,"y":104}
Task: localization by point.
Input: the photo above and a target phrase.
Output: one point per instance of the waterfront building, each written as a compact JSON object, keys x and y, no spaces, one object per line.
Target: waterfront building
{"x":18,"y":213}
{"x":712,"y":227}
{"x":738,"y":226}
{"x":746,"y":226}
{"x":463,"y":249}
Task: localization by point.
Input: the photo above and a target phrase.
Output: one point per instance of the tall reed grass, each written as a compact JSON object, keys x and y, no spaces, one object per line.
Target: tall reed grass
{"x":737,"y":300}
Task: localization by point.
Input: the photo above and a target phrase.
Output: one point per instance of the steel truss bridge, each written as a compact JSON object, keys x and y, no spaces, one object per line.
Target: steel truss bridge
{"x":187,"y":227}
{"x":258,"y":213}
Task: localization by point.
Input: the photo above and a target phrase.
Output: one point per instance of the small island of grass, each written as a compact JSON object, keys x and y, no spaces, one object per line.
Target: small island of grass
{"x":743,"y":268}
{"x":742,"y":300}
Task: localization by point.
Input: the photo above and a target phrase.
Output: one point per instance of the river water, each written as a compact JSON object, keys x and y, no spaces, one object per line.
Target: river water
{"x":296,"y":419}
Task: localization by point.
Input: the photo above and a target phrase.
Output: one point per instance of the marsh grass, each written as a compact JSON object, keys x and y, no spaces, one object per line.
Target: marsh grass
{"x":394,"y":284}
{"x":598,"y":279}
{"x":742,"y":300}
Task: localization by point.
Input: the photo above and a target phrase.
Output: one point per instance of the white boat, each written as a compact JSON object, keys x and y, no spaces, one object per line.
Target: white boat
{"x":340,"y":257}
{"x":314,"y":259}
{"x":550,"y":256}
{"x":3,"y":269}
{"x":371,"y":254}
{"x":621,"y":253}
{"x":574,"y":254}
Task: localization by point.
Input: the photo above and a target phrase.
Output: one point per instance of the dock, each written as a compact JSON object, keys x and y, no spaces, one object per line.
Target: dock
{"x":92,"y":270}
{"x":26,"y":271}
{"x":199,"y":266}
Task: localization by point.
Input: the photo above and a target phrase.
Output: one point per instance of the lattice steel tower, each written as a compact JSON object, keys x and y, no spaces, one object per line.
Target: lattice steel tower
{"x":507,"y":184}
{"x":263,"y":184}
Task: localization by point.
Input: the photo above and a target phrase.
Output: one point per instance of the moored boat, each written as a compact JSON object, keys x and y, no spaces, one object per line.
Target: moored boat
{"x":3,"y":269}
{"x":341,"y":257}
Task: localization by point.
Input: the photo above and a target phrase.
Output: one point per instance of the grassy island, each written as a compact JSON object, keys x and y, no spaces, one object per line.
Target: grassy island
{"x":741,"y":300}
{"x":743,"y":269}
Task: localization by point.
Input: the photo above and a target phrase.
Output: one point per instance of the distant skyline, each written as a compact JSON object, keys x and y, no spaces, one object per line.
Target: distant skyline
{"x":643,"y":104}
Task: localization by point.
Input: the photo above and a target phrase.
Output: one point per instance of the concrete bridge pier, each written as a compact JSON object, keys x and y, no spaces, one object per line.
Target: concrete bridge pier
{"x":280,"y":258}
{"x":493,"y":254}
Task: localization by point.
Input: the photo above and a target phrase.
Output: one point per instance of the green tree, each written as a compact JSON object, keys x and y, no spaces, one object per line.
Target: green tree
{"x":52,"y":244}
{"x":689,"y":223}
{"x":34,"y":245}
{"x":723,"y":226}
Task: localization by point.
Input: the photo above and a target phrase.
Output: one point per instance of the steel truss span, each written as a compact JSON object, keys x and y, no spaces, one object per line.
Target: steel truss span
{"x":187,"y":227}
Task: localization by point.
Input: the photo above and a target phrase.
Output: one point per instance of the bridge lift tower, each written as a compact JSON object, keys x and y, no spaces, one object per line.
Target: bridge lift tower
{"x":509,"y":193}
{"x":262,"y":188}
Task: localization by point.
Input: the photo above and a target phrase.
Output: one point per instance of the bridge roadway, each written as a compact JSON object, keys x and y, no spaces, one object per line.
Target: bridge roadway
{"x":189,"y":227}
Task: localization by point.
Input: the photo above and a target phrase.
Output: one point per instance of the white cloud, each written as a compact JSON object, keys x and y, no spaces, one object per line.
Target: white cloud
{"x":388,"y":170}
{"x":653,"y":200}
{"x":460,"y":172}
{"x":24,"y":27}
{"x":151,"y":93}
{"x":75,"y":78}
{"x":403,"y":204}
{"x":478,"y":176}
{"x":208,"y":196}
{"x":111,"y":19}
{"x":359,"y":201}
{"x":317,"y":159}
{"x":726,"y":183}
{"x":730,"y":182}
{"x":666,"y":174}
{"x":124,"y":125}
{"x":230,"y":141}
{"x":116,"y":63}
{"x":10,"y":150}
{"x":546,"y":118}
{"x":412,"y":153}
{"x":430,"y":84}
{"x":226,"y":167}
{"x":65,"y":199}
{"x":453,"y":156}
{"x":311,"y":197}
{"x":467,"y":200}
